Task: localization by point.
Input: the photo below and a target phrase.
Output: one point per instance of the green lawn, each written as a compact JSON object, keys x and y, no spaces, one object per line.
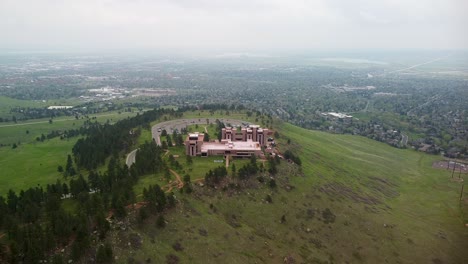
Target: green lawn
{"x":6,"y":103}
{"x":26,"y":132}
{"x":32,"y":164}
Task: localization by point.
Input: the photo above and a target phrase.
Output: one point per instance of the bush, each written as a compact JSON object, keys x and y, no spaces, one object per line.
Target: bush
{"x":328,"y":216}
{"x":272,"y":183}
{"x":104,"y":254}
{"x":160,"y":222}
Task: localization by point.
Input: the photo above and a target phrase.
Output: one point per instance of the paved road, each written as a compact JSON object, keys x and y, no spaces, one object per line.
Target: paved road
{"x":183,"y":123}
{"x":179,"y":124}
{"x":131,"y":158}
{"x":404,"y":139}
{"x":53,"y":120}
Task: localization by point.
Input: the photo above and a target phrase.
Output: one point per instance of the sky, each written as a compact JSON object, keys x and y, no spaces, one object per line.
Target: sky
{"x":232,"y":25}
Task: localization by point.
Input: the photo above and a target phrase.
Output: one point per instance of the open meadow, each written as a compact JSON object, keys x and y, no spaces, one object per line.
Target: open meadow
{"x":357,"y":201}
{"x":32,"y":162}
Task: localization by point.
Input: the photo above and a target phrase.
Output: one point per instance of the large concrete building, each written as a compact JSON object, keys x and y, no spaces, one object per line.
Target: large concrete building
{"x":244,"y":143}
{"x":252,"y":132}
{"x":193,"y":144}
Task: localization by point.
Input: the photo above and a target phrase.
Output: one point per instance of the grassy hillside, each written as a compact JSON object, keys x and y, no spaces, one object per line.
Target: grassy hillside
{"x":32,"y":164}
{"x":357,"y":201}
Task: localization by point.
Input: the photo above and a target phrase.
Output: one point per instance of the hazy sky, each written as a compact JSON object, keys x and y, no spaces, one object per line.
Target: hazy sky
{"x":233,"y":25}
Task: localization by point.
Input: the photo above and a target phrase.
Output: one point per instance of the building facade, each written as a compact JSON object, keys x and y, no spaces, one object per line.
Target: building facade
{"x":244,"y":143}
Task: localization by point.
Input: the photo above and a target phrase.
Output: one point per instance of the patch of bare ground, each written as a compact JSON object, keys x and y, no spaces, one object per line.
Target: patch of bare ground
{"x":384,"y":186}
{"x":449,"y":165}
{"x":336,"y":189}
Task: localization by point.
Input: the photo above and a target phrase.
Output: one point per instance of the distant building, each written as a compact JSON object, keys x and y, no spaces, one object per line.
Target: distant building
{"x":59,"y":107}
{"x":337,"y":115}
{"x":244,"y":143}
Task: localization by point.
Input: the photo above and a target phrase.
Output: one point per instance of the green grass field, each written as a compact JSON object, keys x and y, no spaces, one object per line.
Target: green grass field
{"x":390,"y":206}
{"x":6,"y":103}
{"x":13,"y":133}
{"x":32,"y":164}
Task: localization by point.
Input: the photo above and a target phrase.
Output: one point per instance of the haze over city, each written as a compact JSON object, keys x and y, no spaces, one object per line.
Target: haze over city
{"x":233,"y":131}
{"x":232,"y":26}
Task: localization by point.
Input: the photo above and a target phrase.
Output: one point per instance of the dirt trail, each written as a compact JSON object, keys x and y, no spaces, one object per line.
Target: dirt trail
{"x":179,"y":179}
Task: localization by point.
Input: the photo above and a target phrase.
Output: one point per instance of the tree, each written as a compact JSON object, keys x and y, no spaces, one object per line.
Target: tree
{"x":276,"y":134}
{"x":119,"y":207}
{"x":57,"y":259}
{"x":169,"y":141}
{"x":60,"y":168}
{"x":14,"y":252}
{"x":170,"y":200}
{"x":187,"y":184}
{"x":189,"y":159}
{"x":272,"y":166}
{"x":206,"y":138}
{"x":69,"y":170}
{"x":179,"y":140}
{"x":272,"y":183}
{"x":78,"y":185}
{"x":160,"y":222}
{"x":174,"y":138}
{"x":164,"y":145}
{"x":104,"y":254}
{"x":65,"y":190}
{"x":12,"y":201}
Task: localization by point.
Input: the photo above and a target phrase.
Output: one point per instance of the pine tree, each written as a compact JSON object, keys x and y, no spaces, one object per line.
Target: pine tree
{"x":104,"y":254}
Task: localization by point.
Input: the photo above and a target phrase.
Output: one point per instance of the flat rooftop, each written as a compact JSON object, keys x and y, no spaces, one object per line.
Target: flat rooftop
{"x":196,"y":136}
{"x":238,"y":145}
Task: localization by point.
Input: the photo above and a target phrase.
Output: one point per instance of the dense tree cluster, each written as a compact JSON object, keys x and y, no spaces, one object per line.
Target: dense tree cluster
{"x":248,"y":169}
{"x":148,"y":159}
{"x":36,"y":220}
{"x":213,"y":177}
{"x":104,"y":140}
{"x":291,"y":156}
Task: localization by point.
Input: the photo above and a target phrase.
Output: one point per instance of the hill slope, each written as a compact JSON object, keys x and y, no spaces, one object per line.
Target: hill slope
{"x":357,"y":201}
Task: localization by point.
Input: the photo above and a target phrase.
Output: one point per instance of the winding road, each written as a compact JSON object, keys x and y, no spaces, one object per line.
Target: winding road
{"x":131,"y":158}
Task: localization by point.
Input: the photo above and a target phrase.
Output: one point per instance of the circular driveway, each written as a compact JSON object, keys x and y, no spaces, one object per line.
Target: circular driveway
{"x":178,"y":124}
